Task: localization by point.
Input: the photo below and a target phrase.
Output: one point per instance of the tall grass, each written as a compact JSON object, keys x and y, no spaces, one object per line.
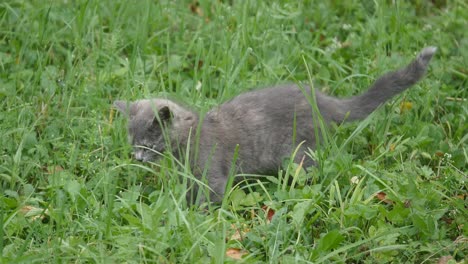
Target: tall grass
{"x":389,"y":189}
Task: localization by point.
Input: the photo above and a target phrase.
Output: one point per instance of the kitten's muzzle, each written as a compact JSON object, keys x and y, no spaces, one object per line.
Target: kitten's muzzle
{"x":139,"y":155}
{"x":143,"y":155}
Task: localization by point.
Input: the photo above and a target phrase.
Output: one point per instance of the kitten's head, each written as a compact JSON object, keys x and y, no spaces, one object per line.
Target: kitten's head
{"x":150,"y":123}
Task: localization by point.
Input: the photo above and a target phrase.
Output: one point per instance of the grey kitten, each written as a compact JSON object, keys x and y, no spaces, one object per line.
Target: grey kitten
{"x":261,"y":122}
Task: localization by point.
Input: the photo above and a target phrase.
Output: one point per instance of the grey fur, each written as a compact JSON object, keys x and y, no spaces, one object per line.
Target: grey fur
{"x":260,"y":122}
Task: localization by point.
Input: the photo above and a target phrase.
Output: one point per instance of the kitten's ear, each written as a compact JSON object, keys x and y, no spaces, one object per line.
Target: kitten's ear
{"x":123,"y":107}
{"x":164,"y":114}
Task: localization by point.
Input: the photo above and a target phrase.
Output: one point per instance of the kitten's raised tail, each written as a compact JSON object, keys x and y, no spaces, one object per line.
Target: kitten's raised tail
{"x":385,"y":87}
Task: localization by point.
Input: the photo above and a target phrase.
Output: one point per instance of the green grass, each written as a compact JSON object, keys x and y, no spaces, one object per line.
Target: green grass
{"x":70,"y":192}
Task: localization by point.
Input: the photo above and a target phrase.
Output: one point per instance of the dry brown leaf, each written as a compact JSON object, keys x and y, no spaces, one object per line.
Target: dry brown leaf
{"x":235,"y":253}
{"x":200,"y":64}
{"x":239,"y":233}
{"x":54,"y":169}
{"x":345,"y":44}
{"x":27,"y":208}
{"x":34,"y":213}
{"x":444,"y":259}
{"x":269,"y":212}
{"x":195,"y":8}
{"x":383,"y":197}
{"x":407,"y":203}
{"x":447,"y":220}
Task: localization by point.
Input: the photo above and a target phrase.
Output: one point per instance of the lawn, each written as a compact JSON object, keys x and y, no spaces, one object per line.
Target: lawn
{"x":389,"y":189}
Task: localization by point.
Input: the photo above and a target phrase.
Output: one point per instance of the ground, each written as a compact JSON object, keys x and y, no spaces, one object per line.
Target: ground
{"x":390,"y":189}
